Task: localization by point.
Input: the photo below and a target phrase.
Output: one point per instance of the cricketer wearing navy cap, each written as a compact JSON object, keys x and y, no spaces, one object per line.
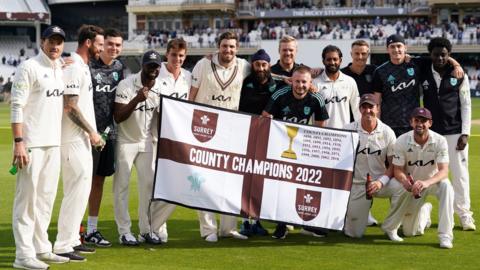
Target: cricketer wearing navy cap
{"x":53,"y":30}
{"x":151,"y":57}
{"x":394,"y":39}
{"x":421,"y":113}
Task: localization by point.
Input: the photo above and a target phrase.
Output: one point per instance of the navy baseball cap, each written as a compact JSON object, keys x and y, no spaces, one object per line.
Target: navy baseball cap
{"x":395,"y":38}
{"x":151,"y":57}
{"x":421,"y":112}
{"x":53,"y":30}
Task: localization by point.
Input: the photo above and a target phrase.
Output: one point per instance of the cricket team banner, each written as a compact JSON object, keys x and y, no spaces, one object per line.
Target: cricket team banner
{"x":251,"y":166}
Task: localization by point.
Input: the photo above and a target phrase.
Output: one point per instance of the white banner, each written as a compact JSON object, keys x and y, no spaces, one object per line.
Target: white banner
{"x":251,"y":166}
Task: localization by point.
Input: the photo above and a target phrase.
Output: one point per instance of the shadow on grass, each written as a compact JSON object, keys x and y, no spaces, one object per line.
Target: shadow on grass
{"x":184,"y":235}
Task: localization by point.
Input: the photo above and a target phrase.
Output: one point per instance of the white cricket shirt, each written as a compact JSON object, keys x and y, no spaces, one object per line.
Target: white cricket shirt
{"x":373,"y":150}
{"x":37,"y":100}
{"x":138,"y":127}
{"x":78,"y":82}
{"x":420,"y":162}
{"x":219,"y":86}
{"x":174,"y":88}
{"x":340,"y":96}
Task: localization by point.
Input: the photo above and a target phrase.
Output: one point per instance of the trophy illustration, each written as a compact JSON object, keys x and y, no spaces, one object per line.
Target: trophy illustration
{"x":289,"y":153}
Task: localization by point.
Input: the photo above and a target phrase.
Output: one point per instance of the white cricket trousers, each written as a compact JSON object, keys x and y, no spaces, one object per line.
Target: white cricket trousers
{"x":127,"y":155}
{"x":77,"y":180}
{"x":208,"y":224}
{"x":358,"y":206}
{"x":35,"y":193}
{"x":406,"y":211}
{"x":460,"y":177}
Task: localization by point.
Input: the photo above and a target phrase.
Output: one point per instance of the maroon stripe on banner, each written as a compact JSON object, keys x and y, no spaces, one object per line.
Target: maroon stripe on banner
{"x":238,"y":164}
{"x":247,"y":179}
{"x":261,"y":147}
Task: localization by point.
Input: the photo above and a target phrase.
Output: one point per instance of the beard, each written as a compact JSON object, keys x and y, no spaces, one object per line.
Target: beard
{"x":331,"y":69}
{"x":261,"y":76}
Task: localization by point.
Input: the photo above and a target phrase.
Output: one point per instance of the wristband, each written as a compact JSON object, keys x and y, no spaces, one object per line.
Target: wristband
{"x":18,"y":139}
{"x":384,"y":179}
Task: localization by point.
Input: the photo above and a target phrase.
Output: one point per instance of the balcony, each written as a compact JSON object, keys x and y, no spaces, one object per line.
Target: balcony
{"x":162,"y":6}
{"x":454,"y":2}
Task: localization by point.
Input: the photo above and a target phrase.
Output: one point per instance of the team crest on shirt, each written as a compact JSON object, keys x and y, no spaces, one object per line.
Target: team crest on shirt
{"x":115,"y":76}
{"x":307,"y":203}
{"x":286,"y":110}
{"x":391,"y":79}
{"x":368,"y":78}
{"x":307,"y":110}
{"x":204,"y":125}
{"x":410,"y":71}
{"x":98,"y":77}
{"x":453,"y":81}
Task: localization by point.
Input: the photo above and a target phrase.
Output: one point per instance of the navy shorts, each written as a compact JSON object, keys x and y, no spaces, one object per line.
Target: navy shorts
{"x":104,"y":161}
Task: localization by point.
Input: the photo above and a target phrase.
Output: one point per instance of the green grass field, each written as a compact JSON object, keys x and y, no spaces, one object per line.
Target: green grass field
{"x":186,"y":250}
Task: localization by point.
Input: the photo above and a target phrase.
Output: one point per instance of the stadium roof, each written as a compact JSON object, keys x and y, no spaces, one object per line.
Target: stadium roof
{"x":24,"y":11}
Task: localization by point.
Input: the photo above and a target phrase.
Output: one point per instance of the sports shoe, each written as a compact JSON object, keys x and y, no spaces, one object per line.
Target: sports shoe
{"x":163,"y":236}
{"x":424,"y":217}
{"x":128,"y":239}
{"x":290,"y":227}
{"x":97,"y":239}
{"x":246,"y":228}
{"x":314,"y":232}
{"x":237,"y":235}
{"x":393,"y":235}
{"x":371,"y":220}
{"x":258,"y":229}
{"x":73,"y":257}
{"x":468,"y":223}
{"x":212,"y":238}
{"x":280,"y":231}
{"x":446,"y":243}
{"x":49,"y":257}
{"x":83,"y":249}
{"x":149,"y":238}
{"x":29,"y":263}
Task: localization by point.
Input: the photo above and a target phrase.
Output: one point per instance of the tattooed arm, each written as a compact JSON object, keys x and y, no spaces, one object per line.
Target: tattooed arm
{"x":70,"y":107}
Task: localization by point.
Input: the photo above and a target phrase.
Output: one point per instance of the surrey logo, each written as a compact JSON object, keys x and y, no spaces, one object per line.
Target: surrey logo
{"x":453,"y":81}
{"x":306,"y":110}
{"x":204,"y":125}
{"x":391,"y":79}
{"x":115,"y":76}
{"x":410,"y":71}
{"x":196,"y":181}
{"x":308,"y":203}
{"x":152,"y":56}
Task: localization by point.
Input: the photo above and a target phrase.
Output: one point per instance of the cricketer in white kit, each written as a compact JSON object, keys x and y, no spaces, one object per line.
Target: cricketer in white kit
{"x":136,"y":112}
{"x":423,"y":154}
{"x":375,"y":149}
{"x":36,"y":117}
{"x":218,"y":82}
{"x":79,"y":133}
{"x":175,"y":82}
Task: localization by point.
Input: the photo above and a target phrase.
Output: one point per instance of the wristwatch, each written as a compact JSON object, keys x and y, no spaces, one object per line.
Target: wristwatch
{"x":18,"y":139}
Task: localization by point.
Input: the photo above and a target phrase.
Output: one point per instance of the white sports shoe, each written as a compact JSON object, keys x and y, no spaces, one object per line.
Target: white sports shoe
{"x":290,"y":227}
{"x":468,"y":223}
{"x":163,"y":236}
{"x":393,"y":235}
{"x":212,"y":238}
{"x":446,"y":243}
{"x":50,"y":257}
{"x":238,"y":235}
{"x":29,"y":263}
{"x":425,"y":220}
{"x":371,"y":220}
